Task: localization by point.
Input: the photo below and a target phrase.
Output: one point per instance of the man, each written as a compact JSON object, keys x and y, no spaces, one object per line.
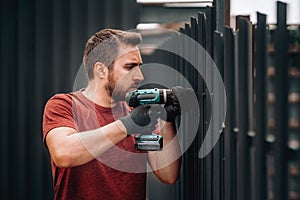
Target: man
{"x":90,"y":133}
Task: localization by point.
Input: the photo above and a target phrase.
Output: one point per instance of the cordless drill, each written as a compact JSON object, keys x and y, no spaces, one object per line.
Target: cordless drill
{"x":151,"y":142}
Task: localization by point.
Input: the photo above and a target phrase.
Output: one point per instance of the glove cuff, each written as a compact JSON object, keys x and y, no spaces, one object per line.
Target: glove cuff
{"x":128,"y":123}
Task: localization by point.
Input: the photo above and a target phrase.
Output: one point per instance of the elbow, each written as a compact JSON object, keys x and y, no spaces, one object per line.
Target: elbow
{"x":170,"y":174}
{"x":169,"y":180}
{"x":173,"y":181}
{"x":61,"y":159}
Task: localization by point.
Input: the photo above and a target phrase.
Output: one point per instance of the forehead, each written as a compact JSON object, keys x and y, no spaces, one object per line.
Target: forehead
{"x":129,"y":52}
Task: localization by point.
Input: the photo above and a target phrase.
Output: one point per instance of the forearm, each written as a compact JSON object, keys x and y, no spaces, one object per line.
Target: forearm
{"x":78,"y":148}
{"x":166,"y":163}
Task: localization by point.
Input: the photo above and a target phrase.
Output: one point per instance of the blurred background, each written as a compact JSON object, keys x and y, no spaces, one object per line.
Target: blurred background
{"x":255,"y":45}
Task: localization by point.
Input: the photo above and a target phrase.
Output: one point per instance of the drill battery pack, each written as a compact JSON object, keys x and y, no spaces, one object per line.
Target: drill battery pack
{"x":151,"y":142}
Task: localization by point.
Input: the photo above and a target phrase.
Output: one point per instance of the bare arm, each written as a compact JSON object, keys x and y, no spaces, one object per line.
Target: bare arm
{"x":69,"y":148}
{"x":166,"y":163}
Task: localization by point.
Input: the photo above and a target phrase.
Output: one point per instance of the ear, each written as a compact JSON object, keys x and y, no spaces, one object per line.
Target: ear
{"x":100,"y":70}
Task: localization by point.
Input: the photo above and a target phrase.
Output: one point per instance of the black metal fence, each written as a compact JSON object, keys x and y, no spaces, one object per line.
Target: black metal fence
{"x":257,"y":154}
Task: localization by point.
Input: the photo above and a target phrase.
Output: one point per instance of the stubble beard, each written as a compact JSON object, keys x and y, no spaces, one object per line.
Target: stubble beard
{"x":115,"y":94}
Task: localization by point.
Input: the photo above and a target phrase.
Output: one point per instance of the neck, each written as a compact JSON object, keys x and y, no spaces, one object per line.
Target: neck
{"x":96,"y":92}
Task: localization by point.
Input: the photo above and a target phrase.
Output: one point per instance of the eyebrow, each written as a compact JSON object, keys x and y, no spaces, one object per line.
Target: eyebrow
{"x":134,"y":63}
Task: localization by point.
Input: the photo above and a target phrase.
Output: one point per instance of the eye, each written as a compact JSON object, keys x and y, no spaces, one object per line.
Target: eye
{"x":129,"y":67}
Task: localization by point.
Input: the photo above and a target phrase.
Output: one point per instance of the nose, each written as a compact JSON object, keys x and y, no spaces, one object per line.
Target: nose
{"x":138,"y":75}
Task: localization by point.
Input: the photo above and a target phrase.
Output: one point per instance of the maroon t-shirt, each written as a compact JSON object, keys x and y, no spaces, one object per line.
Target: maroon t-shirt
{"x":101,"y":178}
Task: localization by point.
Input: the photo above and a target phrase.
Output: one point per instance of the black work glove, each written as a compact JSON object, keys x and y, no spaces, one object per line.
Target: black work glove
{"x":141,"y":120}
{"x":178,"y":102}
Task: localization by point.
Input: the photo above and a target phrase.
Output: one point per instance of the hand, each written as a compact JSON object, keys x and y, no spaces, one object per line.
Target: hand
{"x":140,"y":120}
{"x":178,"y":102}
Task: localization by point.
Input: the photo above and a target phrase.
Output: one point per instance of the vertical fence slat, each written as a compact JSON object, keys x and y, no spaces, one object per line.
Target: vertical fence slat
{"x":243,"y":168}
{"x":209,"y":28}
{"x":194,"y":82}
{"x":218,"y":150}
{"x":281,"y":104}
{"x":201,"y":90}
{"x":260,"y":108}
{"x":220,"y":15}
{"x":229,"y":134}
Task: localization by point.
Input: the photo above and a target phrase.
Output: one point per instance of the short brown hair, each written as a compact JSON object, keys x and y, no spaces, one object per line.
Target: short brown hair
{"x":103,"y":47}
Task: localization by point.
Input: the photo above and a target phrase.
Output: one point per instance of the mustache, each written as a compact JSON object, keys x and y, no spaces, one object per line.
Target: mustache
{"x":135,"y":85}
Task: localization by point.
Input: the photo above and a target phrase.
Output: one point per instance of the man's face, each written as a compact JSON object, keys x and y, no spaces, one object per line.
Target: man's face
{"x":126,"y":74}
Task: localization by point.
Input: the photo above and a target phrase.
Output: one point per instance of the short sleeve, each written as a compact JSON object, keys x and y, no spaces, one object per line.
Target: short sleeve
{"x":58,"y":112}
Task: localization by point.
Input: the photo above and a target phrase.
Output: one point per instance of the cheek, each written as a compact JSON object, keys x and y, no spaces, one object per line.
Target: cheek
{"x":125,"y":76}
{"x":120,"y":79}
